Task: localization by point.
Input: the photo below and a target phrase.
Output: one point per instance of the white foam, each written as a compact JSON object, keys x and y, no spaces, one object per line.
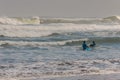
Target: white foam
{"x":45,"y":30}
{"x":58,"y":68}
{"x":6,"y":20}
{"x":38,"y":20}
{"x":19,"y":20}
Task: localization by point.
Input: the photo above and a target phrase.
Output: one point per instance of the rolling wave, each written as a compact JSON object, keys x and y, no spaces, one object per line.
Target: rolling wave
{"x":106,"y":20}
{"x":35,"y":44}
{"x":113,"y":18}
{"x":38,"y":20}
{"x":19,"y":20}
{"x":51,"y":30}
{"x":73,"y":42}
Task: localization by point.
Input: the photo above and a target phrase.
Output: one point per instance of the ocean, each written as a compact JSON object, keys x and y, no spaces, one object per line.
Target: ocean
{"x":34,"y":47}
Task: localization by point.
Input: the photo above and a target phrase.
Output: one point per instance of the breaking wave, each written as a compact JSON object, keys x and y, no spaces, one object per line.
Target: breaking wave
{"x":52,"y":30}
{"x":36,"y":44}
{"x":38,"y":20}
{"x":113,"y":18}
{"x":73,"y":42}
{"x":52,"y":48}
{"x":19,"y":20}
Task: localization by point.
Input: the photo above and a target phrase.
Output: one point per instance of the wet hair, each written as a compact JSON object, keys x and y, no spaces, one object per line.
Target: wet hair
{"x":83,"y":41}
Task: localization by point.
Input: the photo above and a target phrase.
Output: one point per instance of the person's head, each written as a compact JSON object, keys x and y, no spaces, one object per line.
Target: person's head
{"x":83,"y":41}
{"x":93,"y":42}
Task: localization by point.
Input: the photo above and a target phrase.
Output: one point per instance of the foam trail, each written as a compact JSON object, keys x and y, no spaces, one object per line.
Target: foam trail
{"x":60,"y":68}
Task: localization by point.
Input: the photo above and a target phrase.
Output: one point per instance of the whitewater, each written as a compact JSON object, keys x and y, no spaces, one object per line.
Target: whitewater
{"x":34,"y":47}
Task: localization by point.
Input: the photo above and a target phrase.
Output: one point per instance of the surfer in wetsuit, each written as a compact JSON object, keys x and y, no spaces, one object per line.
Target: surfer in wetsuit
{"x":93,"y":44}
{"x":84,"y":45}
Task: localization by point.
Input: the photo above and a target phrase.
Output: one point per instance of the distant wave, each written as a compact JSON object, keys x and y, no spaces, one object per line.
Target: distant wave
{"x":113,"y":18}
{"x":19,"y":20}
{"x":54,"y":34}
{"x":38,"y":20}
{"x":107,"y":20}
{"x":56,"y":30}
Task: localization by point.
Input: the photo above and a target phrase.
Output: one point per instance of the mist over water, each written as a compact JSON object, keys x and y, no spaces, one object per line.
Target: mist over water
{"x":51,"y":47}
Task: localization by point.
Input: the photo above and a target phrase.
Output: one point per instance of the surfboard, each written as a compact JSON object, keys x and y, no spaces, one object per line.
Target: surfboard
{"x":88,"y":49}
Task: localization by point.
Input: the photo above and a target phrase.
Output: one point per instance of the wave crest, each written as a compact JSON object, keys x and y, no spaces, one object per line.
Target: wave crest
{"x":19,"y":20}
{"x":38,"y":20}
{"x":36,"y":44}
{"x":113,"y":18}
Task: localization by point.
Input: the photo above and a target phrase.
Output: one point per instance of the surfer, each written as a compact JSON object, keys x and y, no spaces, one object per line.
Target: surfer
{"x":93,"y":44}
{"x":84,"y":45}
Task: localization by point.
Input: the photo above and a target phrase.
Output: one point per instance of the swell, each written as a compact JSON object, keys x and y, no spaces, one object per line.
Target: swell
{"x":98,"y":40}
{"x":106,"y":40}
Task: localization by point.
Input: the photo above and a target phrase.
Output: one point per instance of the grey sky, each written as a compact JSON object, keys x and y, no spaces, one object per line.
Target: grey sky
{"x":60,"y":8}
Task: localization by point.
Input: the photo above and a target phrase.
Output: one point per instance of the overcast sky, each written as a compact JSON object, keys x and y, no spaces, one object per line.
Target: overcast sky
{"x":60,"y":8}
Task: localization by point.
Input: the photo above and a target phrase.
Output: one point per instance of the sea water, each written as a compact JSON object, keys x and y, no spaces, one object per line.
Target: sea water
{"x":52,"y":47}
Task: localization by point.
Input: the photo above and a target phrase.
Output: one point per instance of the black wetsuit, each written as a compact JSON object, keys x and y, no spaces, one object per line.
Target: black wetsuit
{"x":84,"y":46}
{"x":93,"y":44}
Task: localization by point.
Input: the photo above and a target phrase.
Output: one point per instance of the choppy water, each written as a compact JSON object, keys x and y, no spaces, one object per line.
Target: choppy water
{"x":53,"y":48}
